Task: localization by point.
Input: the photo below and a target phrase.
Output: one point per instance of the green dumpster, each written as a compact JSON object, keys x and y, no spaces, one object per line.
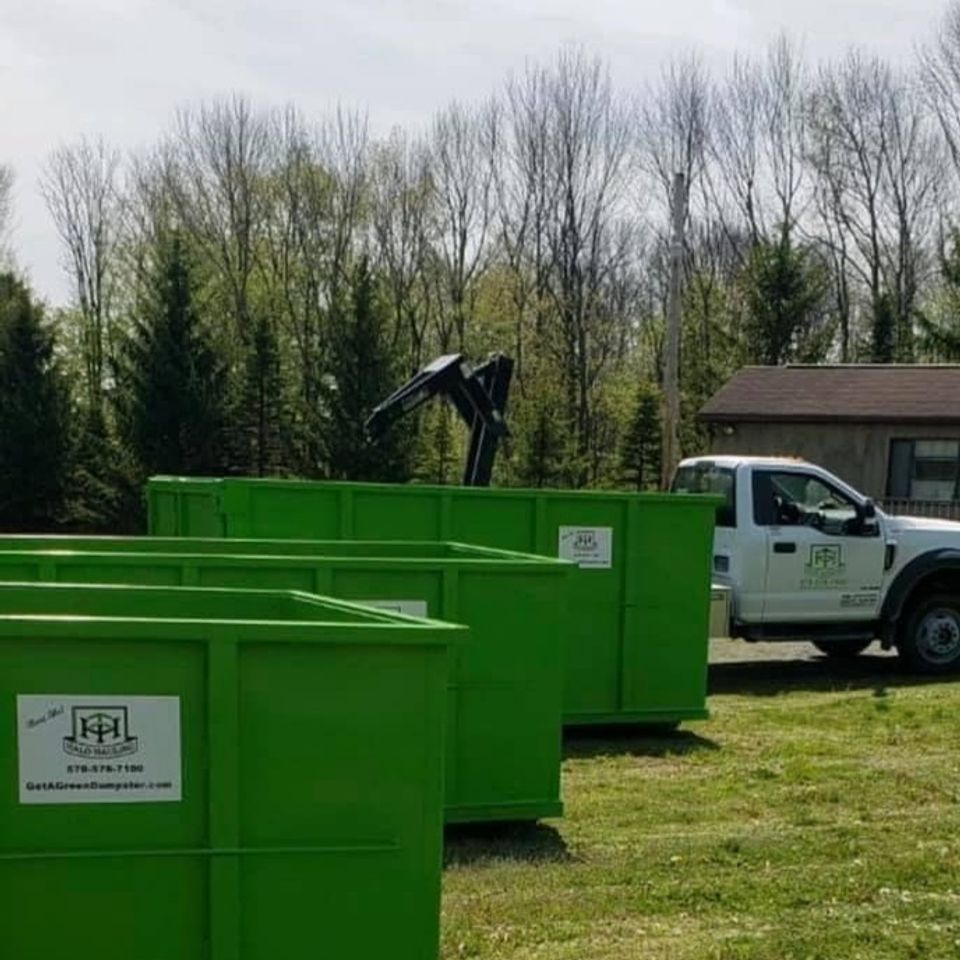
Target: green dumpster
{"x":638,"y":604}
{"x":215,"y":774}
{"x":504,"y":705}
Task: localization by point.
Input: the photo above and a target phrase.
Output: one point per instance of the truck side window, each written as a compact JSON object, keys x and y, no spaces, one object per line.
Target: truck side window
{"x":765,"y":508}
{"x":710,"y":478}
{"x":800,"y":499}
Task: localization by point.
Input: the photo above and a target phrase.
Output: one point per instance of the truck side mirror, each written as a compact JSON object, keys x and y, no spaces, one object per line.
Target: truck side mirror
{"x":866,"y":522}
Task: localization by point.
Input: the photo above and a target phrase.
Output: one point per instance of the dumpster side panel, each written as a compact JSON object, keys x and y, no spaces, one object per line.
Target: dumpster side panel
{"x":392,"y":581}
{"x":291,"y":510}
{"x":177,"y":508}
{"x":305,"y":773}
{"x":262,"y":575}
{"x":667,"y":616}
{"x":115,"y":851}
{"x":594,"y":650}
{"x":499,"y":519}
{"x":381,"y":512}
{"x":509,"y":693}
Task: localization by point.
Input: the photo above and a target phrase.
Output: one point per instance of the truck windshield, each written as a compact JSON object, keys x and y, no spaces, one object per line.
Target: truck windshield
{"x":709,"y":478}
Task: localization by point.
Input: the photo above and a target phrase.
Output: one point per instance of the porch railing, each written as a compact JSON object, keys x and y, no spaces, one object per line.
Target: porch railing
{"x":940,"y":509}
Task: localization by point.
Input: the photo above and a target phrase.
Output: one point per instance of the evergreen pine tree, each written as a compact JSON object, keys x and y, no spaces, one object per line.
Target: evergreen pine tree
{"x":882,"y":341}
{"x":260,"y":447}
{"x":363,"y":372}
{"x":172,"y":384}
{"x":784,"y":299}
{"x":640,"y":455}
{"x":34,"y":416}
{"x":440,"y":445}
{"x":104,"y":491}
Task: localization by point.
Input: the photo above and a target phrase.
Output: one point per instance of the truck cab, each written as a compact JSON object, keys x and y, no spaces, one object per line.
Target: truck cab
{"x":806,"y":556}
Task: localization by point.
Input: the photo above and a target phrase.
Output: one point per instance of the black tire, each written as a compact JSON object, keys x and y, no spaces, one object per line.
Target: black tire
{"x":844,"y":649}
{"x":929,"y":640}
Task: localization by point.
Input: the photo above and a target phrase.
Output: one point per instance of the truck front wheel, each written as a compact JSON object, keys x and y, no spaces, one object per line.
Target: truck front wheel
{"x":930,"y":638}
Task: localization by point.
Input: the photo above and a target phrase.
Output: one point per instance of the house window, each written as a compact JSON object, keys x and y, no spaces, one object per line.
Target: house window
{"x":924,"y":470}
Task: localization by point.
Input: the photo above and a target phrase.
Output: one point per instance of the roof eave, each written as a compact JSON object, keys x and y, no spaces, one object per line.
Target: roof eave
{"x":724,"y":417}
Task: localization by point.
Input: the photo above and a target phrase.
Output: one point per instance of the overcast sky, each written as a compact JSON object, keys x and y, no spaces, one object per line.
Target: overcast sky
{"x":120,"y":67}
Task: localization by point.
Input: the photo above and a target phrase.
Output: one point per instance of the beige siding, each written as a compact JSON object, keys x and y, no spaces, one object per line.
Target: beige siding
{"x":856,"y":452}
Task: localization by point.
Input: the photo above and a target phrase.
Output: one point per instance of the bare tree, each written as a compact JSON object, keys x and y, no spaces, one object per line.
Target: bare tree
{"x":79,"y":185}
{"x":463,"y":146}
{"x":673,"y":132}
{"x":400,"y":195}
{"x":940,"y":75}
{"x":589,"y":151}
{"x":343,"y":150}
{"x":221,"y":158}
{"x":736,"y":149}
{"x":757,"y":171}
{"x":526,"y":195}
{"x":293,"y":266}
{"x":878,"y":164}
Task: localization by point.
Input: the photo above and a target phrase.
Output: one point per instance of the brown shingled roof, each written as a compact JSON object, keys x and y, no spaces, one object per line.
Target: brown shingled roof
{"x":862,"y":392}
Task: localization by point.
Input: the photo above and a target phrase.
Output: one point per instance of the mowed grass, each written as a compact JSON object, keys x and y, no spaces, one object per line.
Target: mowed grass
{"x":816,"y":815}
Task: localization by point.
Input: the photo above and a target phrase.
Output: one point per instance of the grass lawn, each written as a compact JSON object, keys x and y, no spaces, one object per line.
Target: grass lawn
{"x":816,"y":815}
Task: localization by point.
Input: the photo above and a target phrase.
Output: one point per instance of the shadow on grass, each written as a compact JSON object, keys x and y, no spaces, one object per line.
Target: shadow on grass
{"x":521,"y":842}
{"x":770,"y":677}
{"x":582,"y":743}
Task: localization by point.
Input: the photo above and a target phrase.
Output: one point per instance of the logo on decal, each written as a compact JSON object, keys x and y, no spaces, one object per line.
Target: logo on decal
{"x":100,"y":732}
{"x":825,"y":557}
{"x":585,"y":540}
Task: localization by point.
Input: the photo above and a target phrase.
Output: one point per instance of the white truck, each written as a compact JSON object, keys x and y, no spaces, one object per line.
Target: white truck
{"x":805,"y":556}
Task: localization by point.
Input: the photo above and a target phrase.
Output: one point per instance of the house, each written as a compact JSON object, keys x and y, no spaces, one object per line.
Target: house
{"x":890,"y":430}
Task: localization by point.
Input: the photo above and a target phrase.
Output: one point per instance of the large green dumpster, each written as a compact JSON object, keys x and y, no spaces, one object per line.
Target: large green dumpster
{"x":216,"y":774}
{"x":503,"y":733}
{"x":638,"y":604}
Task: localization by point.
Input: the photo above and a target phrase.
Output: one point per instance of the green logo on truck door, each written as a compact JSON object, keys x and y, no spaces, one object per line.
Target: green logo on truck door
{"x":825,"y":557}
{"x":825,"y":568}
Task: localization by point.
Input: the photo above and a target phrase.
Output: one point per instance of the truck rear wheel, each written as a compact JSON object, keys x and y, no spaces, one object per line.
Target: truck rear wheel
{"x":842,"y":649}
{"x":930,"y":638}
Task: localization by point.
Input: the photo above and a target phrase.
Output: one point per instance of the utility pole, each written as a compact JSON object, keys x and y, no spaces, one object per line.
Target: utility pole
{"x":671,"y":340}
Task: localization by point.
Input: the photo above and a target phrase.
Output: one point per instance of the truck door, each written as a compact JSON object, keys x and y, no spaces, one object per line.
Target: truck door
{"x":824,"y":561}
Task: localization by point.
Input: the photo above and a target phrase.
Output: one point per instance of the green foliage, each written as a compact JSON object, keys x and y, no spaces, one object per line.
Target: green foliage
{"x":261,"y":438}
{"x":784,"y":292}
{"x":640,"y":455}
{"x":940,"y":324}
{"x":539,"y":449}
{"x":440,"y":445}
{"x":714,"y":347}
{"x":171,"y":395}
{"x":363,"y":370}
{"x":34,"y":415}
{"x":104,"y":493}
{"x":883,"y":330}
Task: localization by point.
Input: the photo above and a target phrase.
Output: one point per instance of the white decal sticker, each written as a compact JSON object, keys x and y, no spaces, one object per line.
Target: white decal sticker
{"x":589,"y":547}
{"x":412,"y":608}
{"x":98,"y":749}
